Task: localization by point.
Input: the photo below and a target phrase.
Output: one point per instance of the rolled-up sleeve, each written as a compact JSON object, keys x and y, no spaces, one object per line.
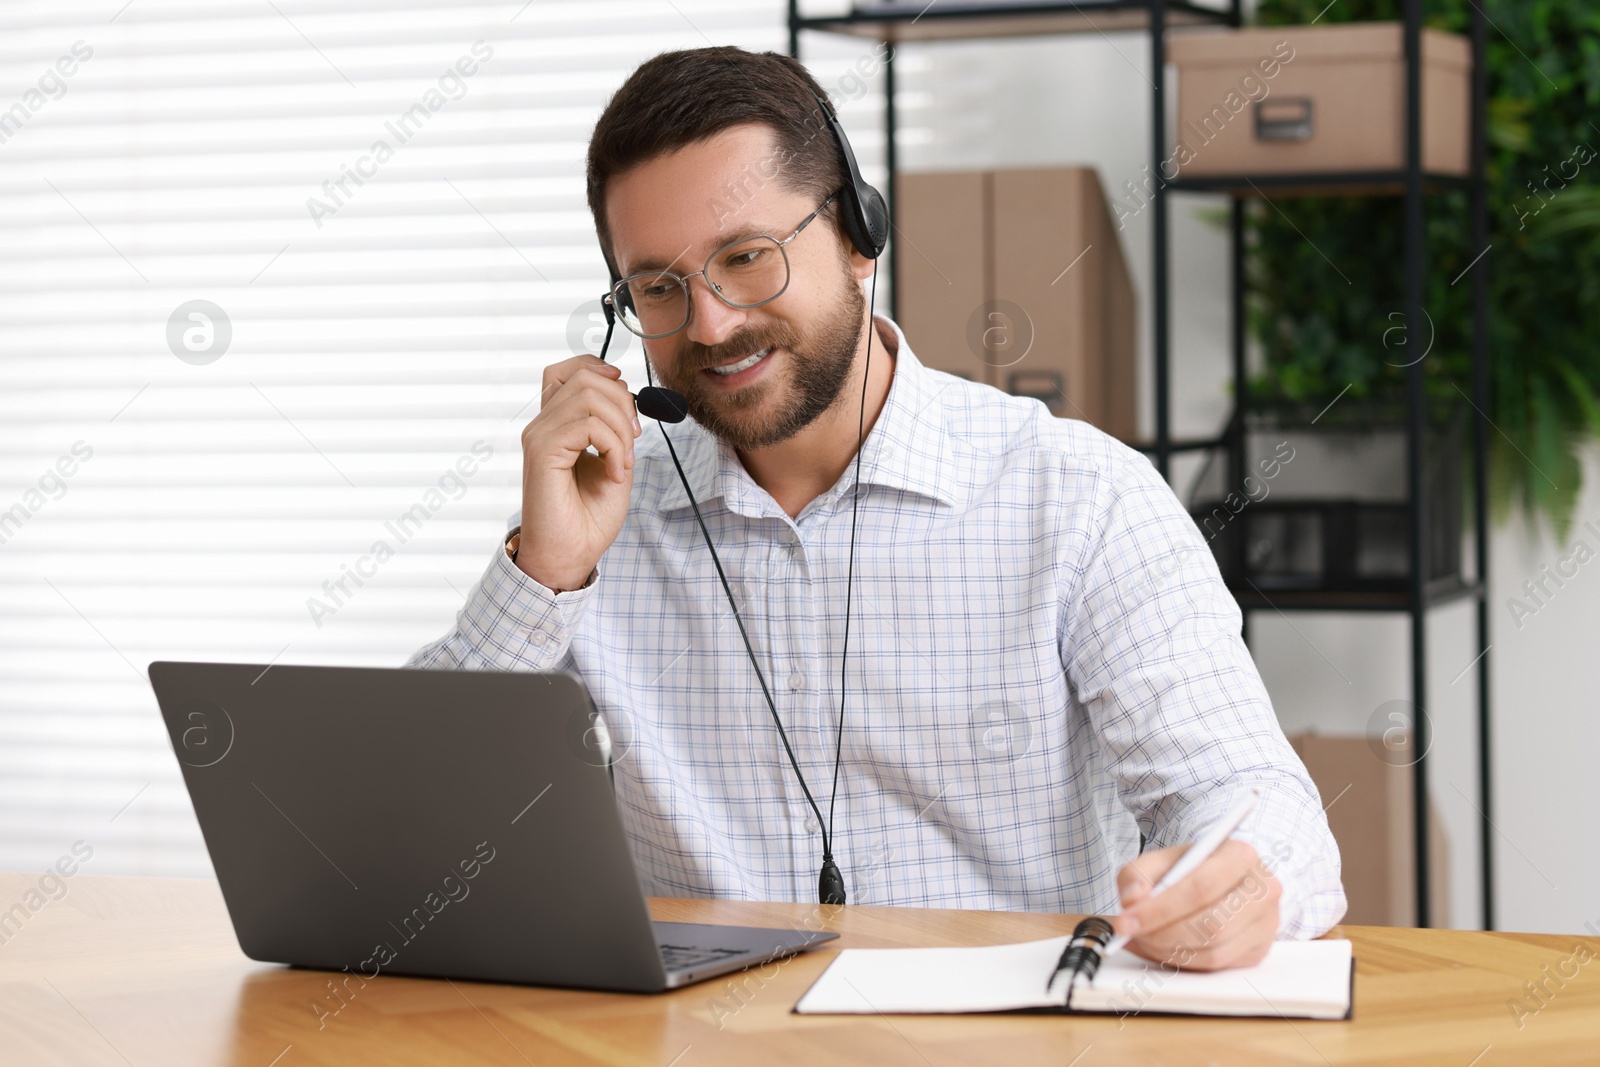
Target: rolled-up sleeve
{"x":1153,"y":648}
{"x":509,"y":623}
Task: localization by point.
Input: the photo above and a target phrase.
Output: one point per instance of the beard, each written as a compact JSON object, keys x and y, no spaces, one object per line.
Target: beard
{"x":819,"y":364}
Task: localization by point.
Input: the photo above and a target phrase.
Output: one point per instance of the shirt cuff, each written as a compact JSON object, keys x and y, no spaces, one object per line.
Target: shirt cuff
{"x":1298,"y":857}
{"x":516,"y":623}
{"x":513,"y":542}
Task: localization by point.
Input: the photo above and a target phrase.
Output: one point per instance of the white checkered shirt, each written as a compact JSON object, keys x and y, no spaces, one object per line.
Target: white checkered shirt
{"x":1043,"y":662}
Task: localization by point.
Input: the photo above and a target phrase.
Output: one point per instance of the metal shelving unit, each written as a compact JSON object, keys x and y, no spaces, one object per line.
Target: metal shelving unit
{"x":919,"y":22}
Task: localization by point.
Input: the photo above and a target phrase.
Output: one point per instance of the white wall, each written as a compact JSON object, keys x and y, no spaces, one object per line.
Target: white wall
{"x":1546,"y":686}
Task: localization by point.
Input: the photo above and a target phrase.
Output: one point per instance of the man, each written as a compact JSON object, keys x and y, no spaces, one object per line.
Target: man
{"x":1043,"y":662}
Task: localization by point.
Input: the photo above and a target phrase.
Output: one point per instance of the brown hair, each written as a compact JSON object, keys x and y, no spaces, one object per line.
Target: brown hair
{"x":682,"y":98}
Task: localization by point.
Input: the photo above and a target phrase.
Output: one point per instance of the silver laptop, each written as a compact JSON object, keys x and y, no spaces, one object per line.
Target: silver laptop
{"x":438,"y":823}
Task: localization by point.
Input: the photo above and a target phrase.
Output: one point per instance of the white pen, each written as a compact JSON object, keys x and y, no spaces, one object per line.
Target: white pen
{"x":1197,"y":854}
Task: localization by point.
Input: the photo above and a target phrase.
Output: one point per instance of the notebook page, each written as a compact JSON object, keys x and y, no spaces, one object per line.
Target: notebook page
{"x":936,"y":980}
{"x":1300,"y":979}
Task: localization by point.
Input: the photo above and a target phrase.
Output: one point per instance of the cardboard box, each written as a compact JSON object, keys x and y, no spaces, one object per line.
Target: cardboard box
{"x":1315,"y":99}
{"x":1016,"y":278}
{"x":1367,"y":792}
{"x":942,"y":265}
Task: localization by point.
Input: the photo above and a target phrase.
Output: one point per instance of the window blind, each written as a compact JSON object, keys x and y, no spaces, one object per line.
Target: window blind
{"x":279,"y":281}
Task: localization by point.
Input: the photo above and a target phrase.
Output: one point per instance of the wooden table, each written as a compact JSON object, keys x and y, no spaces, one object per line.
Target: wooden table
{"x":146,"y":972}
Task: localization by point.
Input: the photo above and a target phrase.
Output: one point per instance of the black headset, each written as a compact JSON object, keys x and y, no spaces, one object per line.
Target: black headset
{"x":865,"y":219}
{"x":863,"y":213}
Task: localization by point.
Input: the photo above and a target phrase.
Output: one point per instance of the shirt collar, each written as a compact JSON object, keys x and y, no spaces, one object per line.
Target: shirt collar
{"x":906,"y":449}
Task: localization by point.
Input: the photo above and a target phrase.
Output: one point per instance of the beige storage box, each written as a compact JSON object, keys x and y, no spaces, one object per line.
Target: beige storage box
{"x":1015,"y":278}
{"x":1367,"y":794}
{"x":1315,"y":99}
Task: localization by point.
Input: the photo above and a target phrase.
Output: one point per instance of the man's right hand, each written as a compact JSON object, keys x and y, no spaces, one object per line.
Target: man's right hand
{"x":573,"y":503}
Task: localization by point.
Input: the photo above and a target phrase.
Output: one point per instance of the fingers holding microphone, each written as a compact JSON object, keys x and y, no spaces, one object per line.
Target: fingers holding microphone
{"x":583,"y":418}
{"x":653,"y":402}
{"x":574,"y":501}
{"x":586,"y":403}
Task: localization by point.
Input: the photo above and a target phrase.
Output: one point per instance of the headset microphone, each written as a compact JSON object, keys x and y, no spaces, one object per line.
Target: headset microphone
{"x":663,"y":405}
{"x":864,"y":217}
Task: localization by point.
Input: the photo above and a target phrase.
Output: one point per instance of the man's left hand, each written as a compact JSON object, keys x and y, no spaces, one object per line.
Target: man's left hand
{"x":1224,"y":913}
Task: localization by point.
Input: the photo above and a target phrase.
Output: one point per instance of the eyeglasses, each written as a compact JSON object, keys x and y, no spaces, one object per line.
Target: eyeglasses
{"x":742,"y":274}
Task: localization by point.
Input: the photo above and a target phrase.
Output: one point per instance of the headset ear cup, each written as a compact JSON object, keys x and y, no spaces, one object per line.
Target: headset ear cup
{"x":863,"y":213}
{"x":877,"y":220}
{"x":866,"y":222}
{"x":853,"y":220}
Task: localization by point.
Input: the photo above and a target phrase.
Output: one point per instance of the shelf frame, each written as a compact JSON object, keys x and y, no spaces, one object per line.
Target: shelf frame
{"x":954,"y":21}
{"x":1156,"y":17}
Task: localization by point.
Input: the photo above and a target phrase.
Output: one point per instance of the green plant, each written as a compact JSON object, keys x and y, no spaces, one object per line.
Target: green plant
{"x":1326,"y":287}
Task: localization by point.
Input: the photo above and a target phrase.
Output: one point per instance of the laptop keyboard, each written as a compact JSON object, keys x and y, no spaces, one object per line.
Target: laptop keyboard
{"x":679,"y":957}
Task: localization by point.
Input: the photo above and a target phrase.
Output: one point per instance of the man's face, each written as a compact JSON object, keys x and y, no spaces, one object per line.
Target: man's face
{"x":671,"y":213}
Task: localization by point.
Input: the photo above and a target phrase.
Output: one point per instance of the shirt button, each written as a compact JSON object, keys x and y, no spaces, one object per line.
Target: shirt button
{"x":797,"y":681}
{"x":540,"y":638}
{"x":811,"y":825}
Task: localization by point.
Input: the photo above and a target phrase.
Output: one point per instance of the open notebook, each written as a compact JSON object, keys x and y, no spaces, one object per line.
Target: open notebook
{"x":1298,"y":979}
